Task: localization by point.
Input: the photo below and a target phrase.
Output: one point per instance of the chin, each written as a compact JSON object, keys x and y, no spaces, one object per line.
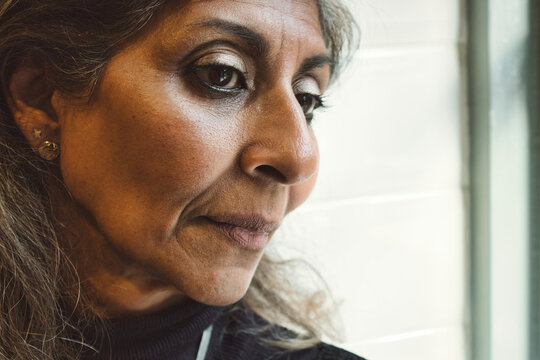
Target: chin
{"x":222,"y":288}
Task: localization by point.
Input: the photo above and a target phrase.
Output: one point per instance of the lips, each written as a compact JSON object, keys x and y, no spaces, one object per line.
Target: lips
{"x":248,"y":232}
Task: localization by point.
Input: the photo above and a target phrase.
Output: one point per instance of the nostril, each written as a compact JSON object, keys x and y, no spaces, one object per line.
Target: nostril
{"x":271,"y":172}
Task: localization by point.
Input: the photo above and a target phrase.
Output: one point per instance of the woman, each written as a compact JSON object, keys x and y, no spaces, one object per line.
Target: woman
{"x":149,"y":151}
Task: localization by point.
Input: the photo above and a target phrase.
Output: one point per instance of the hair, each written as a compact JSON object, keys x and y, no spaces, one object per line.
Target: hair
{"x":41,"y":304}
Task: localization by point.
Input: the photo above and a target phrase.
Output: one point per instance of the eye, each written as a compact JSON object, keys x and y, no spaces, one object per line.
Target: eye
{"x":220,"y":77}
{"x":309,"y":103}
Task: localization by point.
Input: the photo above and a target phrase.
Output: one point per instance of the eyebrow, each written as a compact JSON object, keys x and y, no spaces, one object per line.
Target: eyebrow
{"x":260,"y":45}
{"x":253,"y":39}
{"x":315,"y":62}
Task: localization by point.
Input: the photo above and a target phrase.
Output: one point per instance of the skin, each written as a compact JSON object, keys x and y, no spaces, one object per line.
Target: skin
{"x":157,"y":151}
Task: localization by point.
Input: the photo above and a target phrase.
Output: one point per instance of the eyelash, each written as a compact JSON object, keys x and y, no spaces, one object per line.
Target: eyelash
{"x":202,"y":72}
{"x":198,"y":71}
{"x":318,"y":103}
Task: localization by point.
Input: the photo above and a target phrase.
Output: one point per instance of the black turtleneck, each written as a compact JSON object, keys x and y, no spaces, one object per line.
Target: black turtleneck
{"x":175,"y":334}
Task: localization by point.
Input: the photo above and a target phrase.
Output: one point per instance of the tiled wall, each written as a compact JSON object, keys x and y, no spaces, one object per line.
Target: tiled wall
{"x":386,"y":224}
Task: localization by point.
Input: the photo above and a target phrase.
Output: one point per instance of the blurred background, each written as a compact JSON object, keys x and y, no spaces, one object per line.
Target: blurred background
{"x":422,"y":221}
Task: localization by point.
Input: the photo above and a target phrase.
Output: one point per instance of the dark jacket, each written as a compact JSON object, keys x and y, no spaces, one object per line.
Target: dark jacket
{"x":176,"y":333}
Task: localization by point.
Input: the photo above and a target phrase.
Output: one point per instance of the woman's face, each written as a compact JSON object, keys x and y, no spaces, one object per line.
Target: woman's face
{"x":197,"y":143}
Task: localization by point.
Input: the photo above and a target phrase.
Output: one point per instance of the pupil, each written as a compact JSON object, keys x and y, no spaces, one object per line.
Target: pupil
{"x":306,"y":102}
{"x":220,"y":76}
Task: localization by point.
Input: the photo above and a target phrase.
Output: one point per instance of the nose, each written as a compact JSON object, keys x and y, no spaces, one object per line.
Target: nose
{"x":282,"y":146}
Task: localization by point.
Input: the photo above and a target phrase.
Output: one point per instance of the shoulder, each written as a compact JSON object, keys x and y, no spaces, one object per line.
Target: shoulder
{"x":321,"y":351}
{"x":330,"y":352}
{"x":246,"y":336}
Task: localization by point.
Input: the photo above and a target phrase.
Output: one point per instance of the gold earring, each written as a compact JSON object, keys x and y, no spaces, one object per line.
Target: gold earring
{"x":48,"y":150}
{"x":36,"y":133}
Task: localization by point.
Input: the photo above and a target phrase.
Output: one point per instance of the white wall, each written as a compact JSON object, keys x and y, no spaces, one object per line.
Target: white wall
{"x":386,"y":223}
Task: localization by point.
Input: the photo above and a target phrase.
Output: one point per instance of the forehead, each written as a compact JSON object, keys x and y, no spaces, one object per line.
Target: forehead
{"x":283,"y":21}
{"x":288,"y":10}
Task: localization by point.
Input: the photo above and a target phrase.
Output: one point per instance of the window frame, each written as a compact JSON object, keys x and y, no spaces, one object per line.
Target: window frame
{"x":504,"y":246}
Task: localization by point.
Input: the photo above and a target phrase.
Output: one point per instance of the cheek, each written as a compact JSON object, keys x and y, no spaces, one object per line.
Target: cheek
{"x":299,"y":193}
{"x":135,"y":167}
{"x":143,"y":139}
{"x":167,"y":154}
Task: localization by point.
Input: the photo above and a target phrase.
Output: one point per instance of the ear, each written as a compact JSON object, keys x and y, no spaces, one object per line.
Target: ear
{"x":29,"y":98}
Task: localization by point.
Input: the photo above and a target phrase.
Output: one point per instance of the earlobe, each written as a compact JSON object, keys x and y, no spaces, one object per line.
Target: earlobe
{"x":29,"y":99}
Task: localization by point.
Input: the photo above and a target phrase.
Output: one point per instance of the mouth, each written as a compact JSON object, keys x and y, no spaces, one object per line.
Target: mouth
{"x":250,"y":232}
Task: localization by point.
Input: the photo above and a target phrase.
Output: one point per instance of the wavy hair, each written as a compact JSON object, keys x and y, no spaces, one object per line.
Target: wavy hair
{"x":42,"y":307}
